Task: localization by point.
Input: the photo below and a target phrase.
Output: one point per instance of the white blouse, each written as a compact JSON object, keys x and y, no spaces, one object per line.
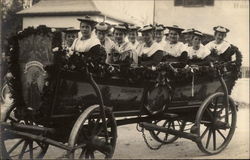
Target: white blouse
{"x":174,"y":49}
{"x":149,"y":51}
{"x":201,"y":53}
{"x":221,"y":48}
{"x":84,"y":45}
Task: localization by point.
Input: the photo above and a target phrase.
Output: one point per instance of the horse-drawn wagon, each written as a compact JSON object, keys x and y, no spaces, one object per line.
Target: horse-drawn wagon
{"x":76,"y":104}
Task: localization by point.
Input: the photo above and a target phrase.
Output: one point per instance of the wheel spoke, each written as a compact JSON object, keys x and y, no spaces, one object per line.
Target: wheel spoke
{"x":16,"y":145}
{"x":204,"y":133}
{"x":221,"y":117}
{"x":41,"y":145}
{"x":173,"y":125}
{"x":208,"y":138}
{"x":83,"y":152}
{"x":31,"y":149}
{"x":23,"y":150}
{"x":221,"y":134}
{"x":214,"y":139}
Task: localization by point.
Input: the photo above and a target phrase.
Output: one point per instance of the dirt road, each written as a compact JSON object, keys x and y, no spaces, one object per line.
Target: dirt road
{"x":130,"y":145}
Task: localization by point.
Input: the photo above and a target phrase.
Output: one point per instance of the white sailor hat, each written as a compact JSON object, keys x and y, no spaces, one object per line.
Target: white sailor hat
{"x":221,"y":29}
{"x":190,"y":30}
{"x":160,"y":27}
{"x":175,"y":28}
{"x":122,"y":27}
{"x":71,"y":30}
{"x":87,"y":19}
{"x":133,"y":27}
{"x":198,"y":33}
{"x":103,"y":26}
{"x":149,"y":27}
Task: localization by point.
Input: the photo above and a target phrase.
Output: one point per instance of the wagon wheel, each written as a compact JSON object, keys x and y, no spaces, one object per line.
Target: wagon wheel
{"x":166,"y":138}
{"x":88,"y":135}
{"x":215,"y":134}
{"x":17,"y":147}
{"x":5,"y":93}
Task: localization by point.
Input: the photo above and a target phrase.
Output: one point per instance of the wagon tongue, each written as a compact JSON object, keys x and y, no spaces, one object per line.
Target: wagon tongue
{"x":101,"y":145}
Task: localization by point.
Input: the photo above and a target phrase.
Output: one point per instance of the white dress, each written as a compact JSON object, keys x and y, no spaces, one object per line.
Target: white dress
{"x":126,"y":49}
{"x":84,"y":45}
{"x":134,"y":45}
{"x":201,"y":53}
{"x":220,"y":48}
{"x":149,"y":51}
{"x":109,"y":46}
{"x":174,"y":49}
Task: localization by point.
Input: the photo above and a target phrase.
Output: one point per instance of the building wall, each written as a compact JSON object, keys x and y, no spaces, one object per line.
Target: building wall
{"x":59,"y":21}
{"x":233,"y":14}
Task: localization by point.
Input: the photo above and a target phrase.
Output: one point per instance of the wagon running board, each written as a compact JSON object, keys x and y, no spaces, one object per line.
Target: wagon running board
{"x":181,"y":134}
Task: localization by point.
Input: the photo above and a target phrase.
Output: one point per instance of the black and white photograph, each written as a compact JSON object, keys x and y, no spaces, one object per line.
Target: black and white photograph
{"x":124,"y":79}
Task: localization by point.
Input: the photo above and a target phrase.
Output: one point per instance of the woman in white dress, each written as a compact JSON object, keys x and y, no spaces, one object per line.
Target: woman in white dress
{"x":150,"y":52}
{"x":159,"y":34}
{"x":197,"y":52}
{"x":87,"y":44}
{"x":124,"y":53}
{"x":188,"y":36}
{"x":174,"y":50}
{"x":133,"y":35}
{"x":102,"y":30}
{"x":222,"y":50}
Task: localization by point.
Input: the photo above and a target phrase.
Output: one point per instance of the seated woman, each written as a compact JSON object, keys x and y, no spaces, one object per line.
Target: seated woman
{"x":174,"y":50}
{"x":133,"y":35}
{"x":101,"y":30}
{"x":150,"y":53}
{"x":222,"y":50}
{"x":88,"y":45}
{"x":159,"y":34}
{"x":124,"y":54}
{"x":197,"y":52}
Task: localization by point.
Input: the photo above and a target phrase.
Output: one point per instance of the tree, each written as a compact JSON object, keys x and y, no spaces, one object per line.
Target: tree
{"x":11,"y":23}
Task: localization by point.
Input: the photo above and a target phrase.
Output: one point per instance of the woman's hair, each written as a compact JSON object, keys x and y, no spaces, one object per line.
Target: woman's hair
{"x":123,"y":31}
{"x":225,"y":34}
{"x":92,"y":25}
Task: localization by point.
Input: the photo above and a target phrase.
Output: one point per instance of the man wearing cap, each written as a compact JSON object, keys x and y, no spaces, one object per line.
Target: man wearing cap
{"x":150,"y":52}
{"x":174,"y":50}
{"x":159,"y":34}
{"x":197,"y":51}
{"x":102,"y":30}
{"x":222,"y":50}
{"x":133,"y":35}
{"x":124,"y":52}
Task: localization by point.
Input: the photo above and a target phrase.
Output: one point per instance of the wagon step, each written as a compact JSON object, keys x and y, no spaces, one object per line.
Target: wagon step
{"x":181,"y":134}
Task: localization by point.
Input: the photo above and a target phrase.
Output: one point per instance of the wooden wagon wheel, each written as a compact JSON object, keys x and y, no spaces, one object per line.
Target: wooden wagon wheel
{"x":88,"y":135}
{"x":215,"y":134}
{"x":5,"y":93}
{"x":163,"y":137}
{"x":17,"y":147}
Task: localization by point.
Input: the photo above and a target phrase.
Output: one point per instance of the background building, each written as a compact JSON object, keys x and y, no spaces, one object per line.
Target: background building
{"x":63,"y":13}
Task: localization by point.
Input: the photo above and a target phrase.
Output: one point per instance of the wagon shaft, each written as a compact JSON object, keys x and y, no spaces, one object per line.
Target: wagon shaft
{"x":153,"y":127}
{"x":30,"y":128}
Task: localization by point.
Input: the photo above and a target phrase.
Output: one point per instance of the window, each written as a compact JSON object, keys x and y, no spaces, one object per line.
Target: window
{"x":193,"y":3}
